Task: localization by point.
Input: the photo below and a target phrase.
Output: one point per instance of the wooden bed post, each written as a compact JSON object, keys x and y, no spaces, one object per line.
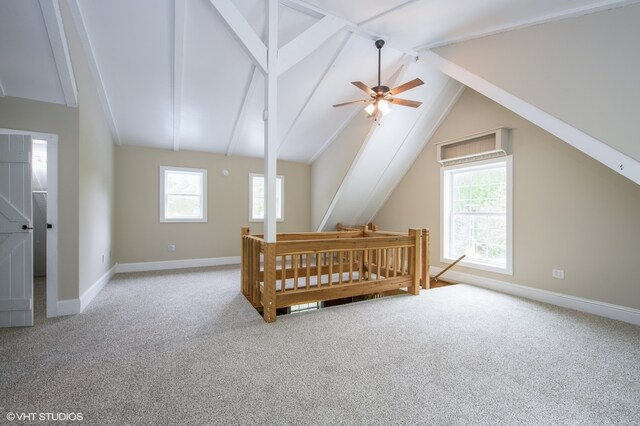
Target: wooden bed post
{"x":269,"y":291}
{"x":426,"y":281}
{"x":414,"y":265}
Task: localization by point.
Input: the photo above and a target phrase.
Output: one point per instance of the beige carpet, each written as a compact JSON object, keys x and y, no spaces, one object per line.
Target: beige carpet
{"x":184,"y":347}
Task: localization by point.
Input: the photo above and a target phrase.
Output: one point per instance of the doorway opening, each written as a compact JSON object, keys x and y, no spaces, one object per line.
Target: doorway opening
{"x":44,"y":220}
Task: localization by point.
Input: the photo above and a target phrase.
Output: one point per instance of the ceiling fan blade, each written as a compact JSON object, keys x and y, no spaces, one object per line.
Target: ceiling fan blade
{"x":354,"y":102}
{"x":360,"y":85}
{"x":406,"y":86}
{"x":405,"y":102}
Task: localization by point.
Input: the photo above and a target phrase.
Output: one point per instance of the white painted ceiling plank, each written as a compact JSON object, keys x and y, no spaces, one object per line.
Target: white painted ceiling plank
{"x":322,"y":79}
{"x":375,"y":125}
{"x":307,"y":42}
{"x":610,"y":157}
{"x":243,"y":32}
{"x":78,"y":21}
{"x":423,"y":130}
{"x":178,"y":68}
{"x":57,"y":39}
{"x":244,"y":108}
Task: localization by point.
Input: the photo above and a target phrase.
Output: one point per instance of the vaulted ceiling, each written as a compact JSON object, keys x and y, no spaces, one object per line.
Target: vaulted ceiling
{"x":172,"y":75}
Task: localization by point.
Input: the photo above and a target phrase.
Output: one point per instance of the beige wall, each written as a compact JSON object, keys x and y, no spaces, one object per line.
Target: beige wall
{"x":330,"y":168}
{"x":96,"y":179}
{"x":140,"y":237}
{"x":580,"y":70}
{"x":570,"y":212}
{"x":22,"y":114}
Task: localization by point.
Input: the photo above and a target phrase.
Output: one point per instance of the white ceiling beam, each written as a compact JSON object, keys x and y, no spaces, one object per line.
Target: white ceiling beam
{"x":307,"y":42}
{"x":243,"y":32}
{"x":178,"y":67}
{"x":85,"y":40}
{"x":610,"y":157}
{"x":537,"y":20}
{"x":241,"y":117}
{"x":305,"y":7}
{"x":388,"y":12}
{"x":58,"y":41}
{"x":334,"y":59}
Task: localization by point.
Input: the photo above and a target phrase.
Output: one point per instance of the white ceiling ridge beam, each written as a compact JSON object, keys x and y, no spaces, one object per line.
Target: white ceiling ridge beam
{"x":242,"y":31}
{"x":87,"y":46}
{"x":375,"y":124}
{"x":594,"y":148}
{"x":241,"y":117}
{"x":179,"y":18}
{"x":388,"y":12}
{"x":60,"y":49}
{"x":348,"y":25}
{"x":307,"y":42}
{"x":315,"y":89}
{"x":551,"y":17}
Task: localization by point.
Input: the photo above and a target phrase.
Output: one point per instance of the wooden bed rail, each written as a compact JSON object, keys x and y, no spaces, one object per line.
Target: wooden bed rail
{"x":308,"y":267}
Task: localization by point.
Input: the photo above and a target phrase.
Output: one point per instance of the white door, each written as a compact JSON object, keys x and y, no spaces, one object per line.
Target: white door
{"x":16,"y":257}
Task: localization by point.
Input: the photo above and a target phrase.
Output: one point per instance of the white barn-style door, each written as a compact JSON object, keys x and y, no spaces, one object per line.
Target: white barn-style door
{"x":16,"y":256}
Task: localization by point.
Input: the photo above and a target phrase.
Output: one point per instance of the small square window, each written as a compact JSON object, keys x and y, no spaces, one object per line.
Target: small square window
{"x":256,"y":198}
{"x":183,"y":194}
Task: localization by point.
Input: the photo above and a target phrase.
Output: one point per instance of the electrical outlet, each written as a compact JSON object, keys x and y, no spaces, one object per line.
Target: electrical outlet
{"x":171,"y":247}
{"x":558,"y":274}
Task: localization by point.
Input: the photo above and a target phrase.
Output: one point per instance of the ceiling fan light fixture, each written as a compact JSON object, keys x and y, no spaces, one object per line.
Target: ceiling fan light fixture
{"x":370,"y":109}
{"x":383,"y":107}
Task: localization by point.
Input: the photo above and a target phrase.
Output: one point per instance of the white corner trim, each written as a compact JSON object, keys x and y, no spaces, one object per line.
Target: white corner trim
{"x":68,"y":307}
{"x":176,"y":264}
{"x":603,"y":309}
{"x":87,"y":297}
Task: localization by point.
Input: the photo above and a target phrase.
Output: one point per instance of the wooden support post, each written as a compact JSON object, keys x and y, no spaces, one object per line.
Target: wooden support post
{"x":426,"y":282}
{"x":244,"y":257}
{"x":414,"y":261}
{"x":269,"y":290}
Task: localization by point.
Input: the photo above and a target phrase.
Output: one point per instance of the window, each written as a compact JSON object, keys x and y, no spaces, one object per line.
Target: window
{"x":256,"y":198}
{"x":477,"y":214}
{"x":183,"y":195}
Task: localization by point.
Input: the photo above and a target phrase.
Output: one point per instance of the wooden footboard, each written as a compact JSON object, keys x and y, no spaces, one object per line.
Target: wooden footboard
{"x":309,"y":267}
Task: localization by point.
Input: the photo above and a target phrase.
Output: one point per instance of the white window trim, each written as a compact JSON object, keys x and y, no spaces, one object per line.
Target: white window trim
{"x":251,"y":218}
{"x":444,"y":221}
{"x":163,"y":195}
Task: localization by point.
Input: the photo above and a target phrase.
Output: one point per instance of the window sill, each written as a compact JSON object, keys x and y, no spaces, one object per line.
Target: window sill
{"x":508,"y":270}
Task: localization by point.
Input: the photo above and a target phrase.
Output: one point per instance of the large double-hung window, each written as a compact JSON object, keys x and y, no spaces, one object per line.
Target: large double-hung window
{"x":477,"y":214}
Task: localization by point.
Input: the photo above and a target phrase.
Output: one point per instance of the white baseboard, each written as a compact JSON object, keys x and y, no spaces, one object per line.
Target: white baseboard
{"x":68,"y":307}
{"x":93,"y":291}
{"x":608,"y":310}
{"x":76,"y":306}
{"x":176,"y":264}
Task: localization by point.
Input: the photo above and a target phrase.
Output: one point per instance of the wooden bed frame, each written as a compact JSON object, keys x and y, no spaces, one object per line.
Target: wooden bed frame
{"x":317,"y":266}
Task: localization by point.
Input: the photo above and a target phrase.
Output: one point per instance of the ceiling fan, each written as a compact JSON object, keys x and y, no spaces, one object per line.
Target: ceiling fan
{"x":381,"y":95}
